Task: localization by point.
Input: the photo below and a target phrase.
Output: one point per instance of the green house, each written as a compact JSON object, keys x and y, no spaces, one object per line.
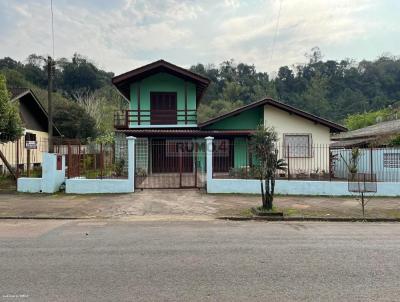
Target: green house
{"x":170,"y":148}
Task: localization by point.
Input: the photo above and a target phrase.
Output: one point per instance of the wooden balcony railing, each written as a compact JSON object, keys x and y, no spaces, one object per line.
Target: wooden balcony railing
{"x":129,"y":118}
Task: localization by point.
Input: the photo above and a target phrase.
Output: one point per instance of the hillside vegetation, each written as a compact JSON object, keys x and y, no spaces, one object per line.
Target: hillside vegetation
{"x":343,"y":91}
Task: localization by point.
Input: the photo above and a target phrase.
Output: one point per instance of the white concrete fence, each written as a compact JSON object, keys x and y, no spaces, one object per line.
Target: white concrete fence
{"x":52,"y":178}
{"x":286,"y":187}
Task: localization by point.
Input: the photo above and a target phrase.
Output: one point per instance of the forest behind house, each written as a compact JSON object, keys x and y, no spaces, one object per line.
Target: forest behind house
{"x":356,"y":94}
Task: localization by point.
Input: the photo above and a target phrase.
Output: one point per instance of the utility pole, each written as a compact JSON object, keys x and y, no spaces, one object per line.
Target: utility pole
{"x":50,"y":102}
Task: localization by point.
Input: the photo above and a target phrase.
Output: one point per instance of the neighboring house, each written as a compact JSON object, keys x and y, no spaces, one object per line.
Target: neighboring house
{"x":377,"y":135}
{"x":163,"y":101}
{"x":35,"y":122}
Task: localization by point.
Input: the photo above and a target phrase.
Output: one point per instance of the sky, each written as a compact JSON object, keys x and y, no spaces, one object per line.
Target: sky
{"x":121,"y":35}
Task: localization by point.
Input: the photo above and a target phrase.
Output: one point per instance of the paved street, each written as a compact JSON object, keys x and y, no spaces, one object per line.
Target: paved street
{"x":106,"y":260}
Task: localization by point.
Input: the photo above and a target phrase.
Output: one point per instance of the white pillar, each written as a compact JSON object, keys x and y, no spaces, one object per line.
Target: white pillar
{"x":131,"y":161}
{"x":209,"y":152}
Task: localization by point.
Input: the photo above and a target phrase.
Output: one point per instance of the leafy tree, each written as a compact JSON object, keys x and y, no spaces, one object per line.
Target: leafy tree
{"x":263,"y":146}
{"x":361,"y":120}
{"x":216,"y":108}
{"x":315,"y":96}
{"x":331,"y":89}
{"x":10,"y":122}
{"x":74,"y":122}
{"x":82,"y":74}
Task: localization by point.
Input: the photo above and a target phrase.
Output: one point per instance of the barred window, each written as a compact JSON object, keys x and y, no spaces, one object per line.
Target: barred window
{"x":391,"y":160}
{"x":297,"y":145}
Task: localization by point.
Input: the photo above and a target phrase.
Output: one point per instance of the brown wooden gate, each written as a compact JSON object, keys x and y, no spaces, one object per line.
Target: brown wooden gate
{"x":170,"y":163}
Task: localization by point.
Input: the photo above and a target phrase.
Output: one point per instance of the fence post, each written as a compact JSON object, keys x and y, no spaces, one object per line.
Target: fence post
{"x":195,"y":163}
{"x":101,"y":160}
{"x":28,"y":162}
{"x":79,"y":159}
{"x":371,"y":167}
{"x":69,"y":160}
{"x":17,"y":160}
{"x":288,"y":162}
{"x":330,"y":155}
{"x":131,"y":161}
{"x":209,"y":160}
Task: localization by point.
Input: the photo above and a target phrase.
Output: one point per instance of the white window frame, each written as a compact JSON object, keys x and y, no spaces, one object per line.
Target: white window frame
{"x":285,"y":145}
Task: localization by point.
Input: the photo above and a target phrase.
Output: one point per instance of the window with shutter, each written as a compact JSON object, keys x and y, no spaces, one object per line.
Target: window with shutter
{"x":297,"y":145}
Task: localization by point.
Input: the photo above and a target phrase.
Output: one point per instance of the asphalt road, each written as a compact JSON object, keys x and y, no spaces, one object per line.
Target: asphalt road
{"x":198,"y":261}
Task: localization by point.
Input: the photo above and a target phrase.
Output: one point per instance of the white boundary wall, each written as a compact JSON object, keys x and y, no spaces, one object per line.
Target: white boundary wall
{"x":51,"y":179}
{"x":94,"y":186}
{"x":287,"y":187}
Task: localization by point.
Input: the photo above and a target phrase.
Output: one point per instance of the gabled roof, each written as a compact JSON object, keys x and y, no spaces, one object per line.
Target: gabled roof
{"x":17,"y":93}
{"x":123,"y":81}
{"x":334,"y":127}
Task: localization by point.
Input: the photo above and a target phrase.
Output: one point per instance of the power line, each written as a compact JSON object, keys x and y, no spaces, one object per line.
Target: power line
{"x":275,"y":33}
{"x":52,"y":24}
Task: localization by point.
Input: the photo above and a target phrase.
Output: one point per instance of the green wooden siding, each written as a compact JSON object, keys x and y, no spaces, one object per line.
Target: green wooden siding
{"x":241,"y":156}
{"x":163,"y":82}
{"x":247,"y":120}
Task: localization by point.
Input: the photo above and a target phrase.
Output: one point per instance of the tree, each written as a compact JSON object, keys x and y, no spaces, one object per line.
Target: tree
{"x":263,"y":147}
{"x":73,"y":121}
{"x":92,"y":104}
{"x":82,"y":74}
{"x":315,"y":96}
{"x":215,"y":108}
{"x":10,"y":122}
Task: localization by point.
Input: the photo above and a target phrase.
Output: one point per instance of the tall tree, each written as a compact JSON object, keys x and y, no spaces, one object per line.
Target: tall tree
{"x":10,"y":122}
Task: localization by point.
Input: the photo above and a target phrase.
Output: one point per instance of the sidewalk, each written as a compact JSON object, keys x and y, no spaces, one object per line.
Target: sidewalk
{"x":183,"y":204}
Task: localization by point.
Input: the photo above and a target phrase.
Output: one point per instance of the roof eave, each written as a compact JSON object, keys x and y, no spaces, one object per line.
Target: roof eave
{"x":331,"y":125}
{"x":29,"y":91}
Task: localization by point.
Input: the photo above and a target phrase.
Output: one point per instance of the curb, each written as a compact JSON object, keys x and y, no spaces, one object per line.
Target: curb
{"x":42,"y":218}
{"x":300,"y":218}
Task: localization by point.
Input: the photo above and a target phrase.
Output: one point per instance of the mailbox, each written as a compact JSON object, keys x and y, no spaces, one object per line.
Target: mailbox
{"x":59,"y":162}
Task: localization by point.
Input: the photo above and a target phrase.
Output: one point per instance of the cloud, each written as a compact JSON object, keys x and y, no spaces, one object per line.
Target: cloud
{"x":121,"y":35}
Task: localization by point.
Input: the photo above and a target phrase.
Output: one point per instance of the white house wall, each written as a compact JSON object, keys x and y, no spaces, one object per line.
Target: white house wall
{"x":285,"y":123}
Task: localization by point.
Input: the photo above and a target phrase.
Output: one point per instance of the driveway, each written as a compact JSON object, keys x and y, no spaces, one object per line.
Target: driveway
{"x":181,"y":204}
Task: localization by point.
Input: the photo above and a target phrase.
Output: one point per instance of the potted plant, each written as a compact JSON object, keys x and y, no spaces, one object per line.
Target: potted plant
{"x":314,"y":174}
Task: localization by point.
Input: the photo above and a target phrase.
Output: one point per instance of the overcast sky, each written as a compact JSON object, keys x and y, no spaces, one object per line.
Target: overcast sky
{"x":120,"y":35}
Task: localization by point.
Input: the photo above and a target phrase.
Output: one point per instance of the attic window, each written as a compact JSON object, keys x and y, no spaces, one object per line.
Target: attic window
{"x":297,"y":145}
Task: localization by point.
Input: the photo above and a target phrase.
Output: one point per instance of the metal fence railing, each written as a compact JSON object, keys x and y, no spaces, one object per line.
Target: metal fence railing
{"x":232,"y":159}
{"x":94,"y":160}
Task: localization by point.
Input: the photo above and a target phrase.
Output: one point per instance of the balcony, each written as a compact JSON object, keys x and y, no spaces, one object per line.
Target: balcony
{"x":124,"y":119}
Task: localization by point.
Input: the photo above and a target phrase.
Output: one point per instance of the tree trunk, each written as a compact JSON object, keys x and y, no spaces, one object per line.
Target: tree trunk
{"x":272,"y":192}
{"x":262,"y":193}
{"x":267,"y":195}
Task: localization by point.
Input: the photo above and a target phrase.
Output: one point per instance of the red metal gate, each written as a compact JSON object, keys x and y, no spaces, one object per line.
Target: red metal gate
{"x":170,"y":163}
